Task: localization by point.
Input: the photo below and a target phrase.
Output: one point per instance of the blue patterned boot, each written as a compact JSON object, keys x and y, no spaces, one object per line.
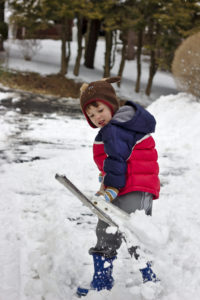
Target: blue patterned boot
{"x":102,"y":278}
{"x":148,"y":274}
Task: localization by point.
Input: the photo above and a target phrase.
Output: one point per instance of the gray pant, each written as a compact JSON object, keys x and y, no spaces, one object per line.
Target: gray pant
{"x":108,"y":243}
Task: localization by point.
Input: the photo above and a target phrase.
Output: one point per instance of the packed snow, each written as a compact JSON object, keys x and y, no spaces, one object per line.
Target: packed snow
{"x":46,"y":232}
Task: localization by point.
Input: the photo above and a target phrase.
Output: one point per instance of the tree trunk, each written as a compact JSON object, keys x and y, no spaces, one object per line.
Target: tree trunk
{"x":64,"y":37}
{"x":123,"y":60}
{"x":153,"y":32}
{"x":91,"y":43}
{"x":152,"y":71}
{"x":108,"y":52}
{"x":63,"y":68}
{"x":139,"y":52}
{"x":87,"y":37}
{"x":2,"y":6}
{"x":80,"y":48}
{"x":68,"y":55}
{"x":130,"y":52}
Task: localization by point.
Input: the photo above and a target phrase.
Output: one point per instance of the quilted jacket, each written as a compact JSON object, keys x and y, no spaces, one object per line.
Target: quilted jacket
{"x":125,"y":153}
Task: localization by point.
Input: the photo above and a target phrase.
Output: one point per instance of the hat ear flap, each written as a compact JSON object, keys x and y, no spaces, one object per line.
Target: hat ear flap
{"x":83,"y":87}
{"x":112,"y":79}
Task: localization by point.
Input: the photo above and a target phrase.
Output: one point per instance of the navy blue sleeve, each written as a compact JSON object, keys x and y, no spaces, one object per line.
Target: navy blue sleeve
{"x":118,"y":144}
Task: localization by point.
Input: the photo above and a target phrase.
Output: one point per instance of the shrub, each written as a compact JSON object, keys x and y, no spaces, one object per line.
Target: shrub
{"x":186,"y":65}
{"x":29,"y":48}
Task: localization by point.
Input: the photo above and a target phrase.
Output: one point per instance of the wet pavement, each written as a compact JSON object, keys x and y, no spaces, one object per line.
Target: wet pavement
{"x":27,"y":102}
{"x":18,"y":110}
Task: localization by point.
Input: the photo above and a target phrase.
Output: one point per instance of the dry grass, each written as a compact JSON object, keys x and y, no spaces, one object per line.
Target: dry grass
{"x":33,"y":82}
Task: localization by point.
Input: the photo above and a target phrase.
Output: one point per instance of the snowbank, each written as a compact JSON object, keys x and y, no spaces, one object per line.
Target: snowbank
{"x":46,"y":232}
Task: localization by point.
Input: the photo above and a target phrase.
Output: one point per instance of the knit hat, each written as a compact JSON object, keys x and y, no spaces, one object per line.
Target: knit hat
{"x":101,"y":91}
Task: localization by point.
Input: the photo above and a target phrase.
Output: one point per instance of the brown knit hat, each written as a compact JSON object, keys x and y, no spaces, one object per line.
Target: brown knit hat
{"x":101,"y":91}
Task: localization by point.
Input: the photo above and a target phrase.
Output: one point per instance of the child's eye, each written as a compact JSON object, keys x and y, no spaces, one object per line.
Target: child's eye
{"x":100,"y":110}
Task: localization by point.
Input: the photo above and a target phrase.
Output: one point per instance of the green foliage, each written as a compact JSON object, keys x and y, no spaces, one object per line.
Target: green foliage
{"x":169,"y":20}
{"x":167,"y":23}
{"x":176,"y":20}
{"x":164,"y":23}
{"x":26,"y":13}
{"x":107,"y":11}
{"x":34,"y":14}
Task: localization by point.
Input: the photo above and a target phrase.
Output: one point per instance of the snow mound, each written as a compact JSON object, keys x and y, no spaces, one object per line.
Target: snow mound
{"x":46,"y":232}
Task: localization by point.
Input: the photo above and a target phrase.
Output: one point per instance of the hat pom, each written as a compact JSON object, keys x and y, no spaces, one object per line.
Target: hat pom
{"x":83,"y":87}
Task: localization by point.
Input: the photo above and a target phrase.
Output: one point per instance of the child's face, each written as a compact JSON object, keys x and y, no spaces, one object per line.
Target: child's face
{"x":100,"y":115}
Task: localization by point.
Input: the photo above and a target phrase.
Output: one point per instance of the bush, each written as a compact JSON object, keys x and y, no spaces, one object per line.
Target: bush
{"x":186,"y":65}
{"x":29,"y":48}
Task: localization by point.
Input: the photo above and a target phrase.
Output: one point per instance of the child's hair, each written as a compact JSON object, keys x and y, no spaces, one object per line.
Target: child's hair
{"x":94,"y":104}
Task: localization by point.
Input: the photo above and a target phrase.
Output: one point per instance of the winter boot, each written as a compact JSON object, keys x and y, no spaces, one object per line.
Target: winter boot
{"x":102,"y":278}
{"x":148,"y":274}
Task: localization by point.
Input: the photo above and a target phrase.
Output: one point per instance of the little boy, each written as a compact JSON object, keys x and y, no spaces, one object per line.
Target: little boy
{"x":124,"y":152}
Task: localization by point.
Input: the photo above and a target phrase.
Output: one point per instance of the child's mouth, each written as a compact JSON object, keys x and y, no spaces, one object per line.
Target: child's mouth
{"x":101,"y":123}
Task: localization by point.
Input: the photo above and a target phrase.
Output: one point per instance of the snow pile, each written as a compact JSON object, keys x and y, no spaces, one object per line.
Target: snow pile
{"x":46,"y":232}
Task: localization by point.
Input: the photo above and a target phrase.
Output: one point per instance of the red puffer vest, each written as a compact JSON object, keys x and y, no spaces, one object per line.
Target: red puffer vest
{"x":142,"y":167}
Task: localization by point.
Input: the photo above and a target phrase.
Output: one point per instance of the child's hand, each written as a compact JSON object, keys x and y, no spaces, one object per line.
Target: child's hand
{"x":100,"y":177}
{"x":101,"y":191}
{"x":110,"y":193}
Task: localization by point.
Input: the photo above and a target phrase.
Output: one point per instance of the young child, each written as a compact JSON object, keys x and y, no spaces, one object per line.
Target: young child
{"x":124,"y":152}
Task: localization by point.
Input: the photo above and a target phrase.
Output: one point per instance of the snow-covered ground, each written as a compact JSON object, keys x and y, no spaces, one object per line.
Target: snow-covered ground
{"x":46,"y":232}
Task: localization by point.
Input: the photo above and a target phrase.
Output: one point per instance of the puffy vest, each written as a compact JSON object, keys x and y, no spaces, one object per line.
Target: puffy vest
{"x":142,"y":167}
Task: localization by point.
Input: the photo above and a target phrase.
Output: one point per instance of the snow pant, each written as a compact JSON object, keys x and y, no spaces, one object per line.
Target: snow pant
{"x":108,"y":243}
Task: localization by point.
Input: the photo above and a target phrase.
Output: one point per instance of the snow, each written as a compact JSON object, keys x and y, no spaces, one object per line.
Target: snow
{"x":46,"y":232}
